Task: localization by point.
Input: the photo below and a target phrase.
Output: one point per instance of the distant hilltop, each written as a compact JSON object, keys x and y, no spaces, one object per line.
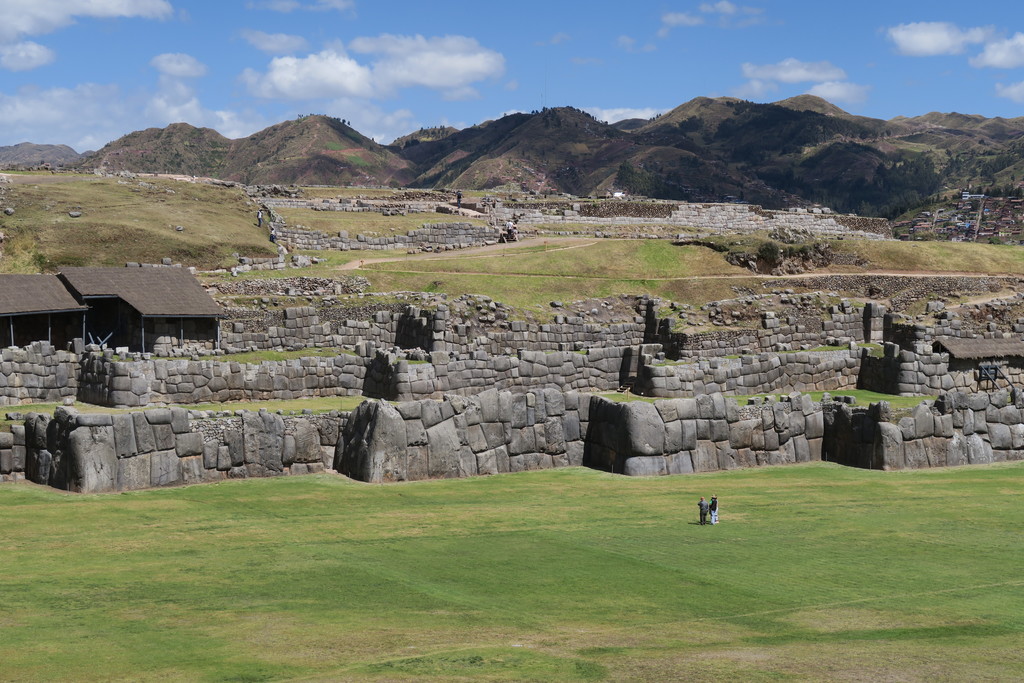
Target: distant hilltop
{"x":801,"y":151}
{"x":29,"y":155}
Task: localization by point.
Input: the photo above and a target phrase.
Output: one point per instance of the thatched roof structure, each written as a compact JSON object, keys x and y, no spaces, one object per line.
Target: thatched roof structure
{"x":980,"y":349}
{"x":153,"y":292}
{"x":31,"y":294}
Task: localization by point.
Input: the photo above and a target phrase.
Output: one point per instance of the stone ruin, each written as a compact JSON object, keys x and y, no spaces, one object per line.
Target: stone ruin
{"x":468,"y":391}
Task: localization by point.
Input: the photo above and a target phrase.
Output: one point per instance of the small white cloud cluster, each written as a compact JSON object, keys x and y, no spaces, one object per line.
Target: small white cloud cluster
{"x":726,"y":14}
{"x":829,"y":81}
{"x":448,"y":64}
{"x":21,"y":18}
{"x":939,"y":38}
{"x":616,"y":114}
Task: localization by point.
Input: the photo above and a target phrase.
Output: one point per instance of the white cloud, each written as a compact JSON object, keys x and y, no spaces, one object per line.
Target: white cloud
{"x":322,"y":75}
{"x":78,"y":116}
{"x":1002,"y":54}
{"x":629,"y":44}
{"x":178,"y":65}
{"x":731,"y":15}
{"x":615,"y":114}
{"x":292,"y":5}
{"x":723,"y":7}
{"x":512,"y":85}
{"x":1014,"y":91}
{"x":24,"y":56}
{"x":449,"y":64}
{"x":841,"y":91}
{"x":174,"y":103}
{"x":671,"y":20}
{"x":931,"y":38}
{"x":372,"y":121}
{"x":557,"y":39}
{"x":274,"y":43}
{"x":755,"y":89}
{"x":35,"y":17}
{"x":793,"y":71}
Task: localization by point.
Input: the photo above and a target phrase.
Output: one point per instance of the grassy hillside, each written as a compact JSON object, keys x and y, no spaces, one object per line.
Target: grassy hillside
{"x":938,"y":257}
{"x":815,"y":572}
{"x":366,"y":222}
{"x":124,"y":220}
{"x":533,"y":273}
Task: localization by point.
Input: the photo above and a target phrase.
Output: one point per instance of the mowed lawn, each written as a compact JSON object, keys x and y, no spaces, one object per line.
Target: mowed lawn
{"x":816,"y":572}
{"x":532,"y":274}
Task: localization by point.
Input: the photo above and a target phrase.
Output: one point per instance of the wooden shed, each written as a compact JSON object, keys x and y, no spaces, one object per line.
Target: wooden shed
{"x":38,"y":308}
{"x":144,"y":309}
{"x":989,"y":363}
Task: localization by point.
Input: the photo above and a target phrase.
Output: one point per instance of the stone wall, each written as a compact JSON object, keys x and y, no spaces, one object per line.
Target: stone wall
{"x":370,"y":372}
{"x":765,"y":373}
{"x":496,"y":431}
{"x":430,"y":237}
{"x":490,"y":433}
{"x":707,"y":217}
{"x":12,"y":454}
{"x":922,"y":370}
{"x":427,"y":329}
{"x":844,"y":323}
{"x":702,"y":434}
{"x":99,"y":453}
{"x":956,"y":429}
{"x":140,"y":383}
{"x":37,"y":373}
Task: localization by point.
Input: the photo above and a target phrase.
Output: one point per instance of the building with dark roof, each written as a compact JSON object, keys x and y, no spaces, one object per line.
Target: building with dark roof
{"x":38,"y":308}
{"x":988,"y":363}
{"x":144,"y":309}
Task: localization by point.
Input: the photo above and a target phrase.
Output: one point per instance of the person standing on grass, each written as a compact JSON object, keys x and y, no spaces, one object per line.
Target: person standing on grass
{"x":713,"y":508}
{"x":458,"y":200}
{"x":703,"y":507}
{"x":259,"y":218}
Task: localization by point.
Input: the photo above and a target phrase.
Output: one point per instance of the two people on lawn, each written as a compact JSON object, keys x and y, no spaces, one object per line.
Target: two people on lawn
{"x":708,"y":507}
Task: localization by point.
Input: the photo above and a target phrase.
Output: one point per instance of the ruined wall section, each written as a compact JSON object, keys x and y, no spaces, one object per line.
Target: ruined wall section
{"x":37,"y":373}
{"x":100,"y":453}
{"x":764,"y":373}
{"x":429,"y":237}
{"x":956,"y":429}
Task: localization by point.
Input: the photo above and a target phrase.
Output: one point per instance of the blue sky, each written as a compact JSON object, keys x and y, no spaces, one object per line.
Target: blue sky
{"x":84,"y":72}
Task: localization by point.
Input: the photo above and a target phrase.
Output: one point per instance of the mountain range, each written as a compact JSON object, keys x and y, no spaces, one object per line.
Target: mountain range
{"x":797,"y":151}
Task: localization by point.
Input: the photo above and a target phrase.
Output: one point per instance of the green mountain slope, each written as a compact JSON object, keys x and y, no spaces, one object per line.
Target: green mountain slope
{"x":800,"y":150}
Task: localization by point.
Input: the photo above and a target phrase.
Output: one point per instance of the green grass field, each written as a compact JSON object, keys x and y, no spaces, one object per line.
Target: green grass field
{"x":816,"y":573}
{"x":531,"y":274}
{"x":370,"y":223}
{"x":125,"y":221}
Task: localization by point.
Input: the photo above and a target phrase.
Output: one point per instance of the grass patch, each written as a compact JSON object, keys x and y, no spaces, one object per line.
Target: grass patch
{"x":126,"y":222}
{"x":602,"y":259}
{"x":939,"y":257}
{"x":531,"y":276}
{"x":558,"y":575}
{"x":366,"y":222}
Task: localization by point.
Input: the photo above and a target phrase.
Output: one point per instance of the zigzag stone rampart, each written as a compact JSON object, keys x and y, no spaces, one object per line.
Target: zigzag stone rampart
{"x":494,"y":432}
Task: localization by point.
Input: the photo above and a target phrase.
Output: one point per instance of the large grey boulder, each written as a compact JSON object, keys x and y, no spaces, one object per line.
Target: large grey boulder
{"x":93,"y":459}
{"x":645,"y":466}
{"x":645,"y":430}
{"x":374,"y":444}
